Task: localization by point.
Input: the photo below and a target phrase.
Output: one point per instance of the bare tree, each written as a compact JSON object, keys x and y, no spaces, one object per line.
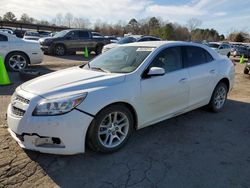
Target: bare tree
{"x":9,"y":16}
{"x":68,"y":19}
{"x":81,"y":23}
{"x":193,"y":23}
{"x":59,"y":19}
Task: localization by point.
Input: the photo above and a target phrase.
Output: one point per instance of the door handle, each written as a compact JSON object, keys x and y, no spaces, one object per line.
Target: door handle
{"x":212,"y":71}
{"x":183,"y":80}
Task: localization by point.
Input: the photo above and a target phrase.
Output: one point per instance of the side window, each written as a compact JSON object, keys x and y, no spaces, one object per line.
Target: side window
{"x":3,"y":38}
{"x":209,"y":57}
{"x":196,"y":56}
{"x":143,"y":39}
{"x":85,"y":34}
{"x":73,"y":34}
{"x":169,"y":59}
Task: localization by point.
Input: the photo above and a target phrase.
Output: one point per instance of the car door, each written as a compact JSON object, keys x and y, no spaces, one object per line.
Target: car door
{"x":165,"y":95}
{"x":85,"y":40}
{"x":202,"y":71}
{"x":72,"y":40}
{"x":4,"y":45}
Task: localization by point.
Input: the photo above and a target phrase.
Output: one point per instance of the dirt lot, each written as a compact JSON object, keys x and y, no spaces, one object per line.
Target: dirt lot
{"x":197,"y":149}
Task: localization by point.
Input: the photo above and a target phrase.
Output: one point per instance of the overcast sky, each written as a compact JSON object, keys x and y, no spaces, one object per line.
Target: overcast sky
{"x":223,"y":15}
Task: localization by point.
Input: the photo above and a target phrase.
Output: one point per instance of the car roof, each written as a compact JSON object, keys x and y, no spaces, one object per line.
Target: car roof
{"x":157,"y":44}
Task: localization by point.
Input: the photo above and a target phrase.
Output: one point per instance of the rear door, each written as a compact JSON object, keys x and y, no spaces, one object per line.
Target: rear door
{"x":86,"y":40}
{"x":168,"y":94}
{"x":202,"y":71}
{"x":4,"y":45}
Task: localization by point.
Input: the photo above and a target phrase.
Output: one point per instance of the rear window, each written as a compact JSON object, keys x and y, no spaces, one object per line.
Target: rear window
{"x":196,"y":56}
{"x":83,"y":34}
{"x":3,"y":38}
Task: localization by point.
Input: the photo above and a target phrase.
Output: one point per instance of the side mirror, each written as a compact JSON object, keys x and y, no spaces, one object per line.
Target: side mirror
{"x":156,"y":71}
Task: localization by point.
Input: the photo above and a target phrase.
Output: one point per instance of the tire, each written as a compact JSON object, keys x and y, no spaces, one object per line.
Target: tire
{"x":104,"y":138}
{"x":246,"y":71}
{"x":60,"y":50}
{"x":228,"y":55}
{"x":16,"y":61}
{"x":98,"y":49}
{"x":218,"y":98}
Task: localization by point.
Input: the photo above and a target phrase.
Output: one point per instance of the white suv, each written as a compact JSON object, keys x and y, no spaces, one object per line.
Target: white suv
{"x":129,"y":87}
{"x":222,"y":48}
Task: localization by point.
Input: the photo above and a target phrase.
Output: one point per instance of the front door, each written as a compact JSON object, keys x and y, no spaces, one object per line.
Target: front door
{"x":167,"y":95}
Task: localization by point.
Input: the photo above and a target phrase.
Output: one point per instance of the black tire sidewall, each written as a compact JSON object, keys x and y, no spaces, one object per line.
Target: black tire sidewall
{"x":7,"y":65}
{"x":92,"y":135}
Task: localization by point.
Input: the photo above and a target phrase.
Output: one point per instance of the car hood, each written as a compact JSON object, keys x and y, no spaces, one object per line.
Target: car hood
{"x":73,"y":80}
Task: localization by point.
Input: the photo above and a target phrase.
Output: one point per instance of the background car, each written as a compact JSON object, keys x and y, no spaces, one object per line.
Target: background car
{"x":130,"y":39}
{"x":72,"y":40}
{"x":221,"y":48}
{"x":19,"y":53}
{"x":7,"y":31}
{"x":240,"y":50}
{"x":31,"y":35}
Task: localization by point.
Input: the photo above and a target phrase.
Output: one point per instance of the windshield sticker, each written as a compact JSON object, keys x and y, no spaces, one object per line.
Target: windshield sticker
{"x":145,"y":49}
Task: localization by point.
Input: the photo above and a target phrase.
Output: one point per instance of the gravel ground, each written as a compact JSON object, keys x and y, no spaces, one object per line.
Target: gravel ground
{"x":197,"y":149}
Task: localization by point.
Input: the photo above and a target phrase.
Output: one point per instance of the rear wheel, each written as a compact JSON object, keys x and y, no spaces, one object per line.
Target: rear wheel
{"x":246,"y":71}
{"x":16,"y":61}
{"x":218,"y":98}
{"x":60,"y":50}
{"x":110,"y":129}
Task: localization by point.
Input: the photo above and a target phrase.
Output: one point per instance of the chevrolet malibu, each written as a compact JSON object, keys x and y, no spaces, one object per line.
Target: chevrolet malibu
{"x":101,"y":103}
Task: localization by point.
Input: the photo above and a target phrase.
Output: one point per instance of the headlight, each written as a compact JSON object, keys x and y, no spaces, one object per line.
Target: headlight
{"x":58,"y":106}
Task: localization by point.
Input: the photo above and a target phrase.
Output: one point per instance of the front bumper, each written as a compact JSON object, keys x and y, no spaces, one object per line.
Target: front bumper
{"x":63,"y":134}
{"x":47,"y":49}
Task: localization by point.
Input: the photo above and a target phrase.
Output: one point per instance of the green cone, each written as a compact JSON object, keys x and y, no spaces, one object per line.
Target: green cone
{"x":242,"y":59}
{"x":86,"y":52}
{"x":4,"y":78}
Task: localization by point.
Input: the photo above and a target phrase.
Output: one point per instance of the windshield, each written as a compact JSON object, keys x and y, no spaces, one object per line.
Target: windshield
{"x":123,"y":59}
{"x":126,"y":40}
{"x":32,"y":34}
{"x":61,"y":34}
{"x":212,"y":45}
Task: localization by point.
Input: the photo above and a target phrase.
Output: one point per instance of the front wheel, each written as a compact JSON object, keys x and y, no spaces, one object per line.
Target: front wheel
{"x":60,"y":50}
{"x":110,"y":129}
{"x":218,"y":98}
{"x":246,"y":71}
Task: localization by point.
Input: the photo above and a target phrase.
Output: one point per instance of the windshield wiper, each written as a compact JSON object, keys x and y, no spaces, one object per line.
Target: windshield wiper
{"x":99,"y":69}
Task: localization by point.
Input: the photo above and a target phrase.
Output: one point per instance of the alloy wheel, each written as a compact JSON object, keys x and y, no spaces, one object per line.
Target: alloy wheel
{"x":113,"y":129}
{"x":17,"y":62}
{"x":220,"y":97}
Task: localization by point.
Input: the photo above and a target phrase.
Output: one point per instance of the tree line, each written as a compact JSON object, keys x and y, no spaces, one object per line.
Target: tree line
{"x":150,"y":26}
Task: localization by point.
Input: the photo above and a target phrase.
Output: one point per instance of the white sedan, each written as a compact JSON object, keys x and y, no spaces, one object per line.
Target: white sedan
{"x":101,"y":103}
{"x":19,"y":53}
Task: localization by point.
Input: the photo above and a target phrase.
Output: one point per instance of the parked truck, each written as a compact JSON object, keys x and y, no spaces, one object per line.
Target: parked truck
{"x":72,"y":40}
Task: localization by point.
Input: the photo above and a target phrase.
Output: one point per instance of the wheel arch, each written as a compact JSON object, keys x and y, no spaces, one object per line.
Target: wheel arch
{"x":17,"y":51}
{"x":225,"y":81}
{"x":129,"y":106}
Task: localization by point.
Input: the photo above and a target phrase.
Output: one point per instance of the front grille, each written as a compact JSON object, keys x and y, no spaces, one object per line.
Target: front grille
{"x":17,"y":111}
{"x":21,"y":99}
